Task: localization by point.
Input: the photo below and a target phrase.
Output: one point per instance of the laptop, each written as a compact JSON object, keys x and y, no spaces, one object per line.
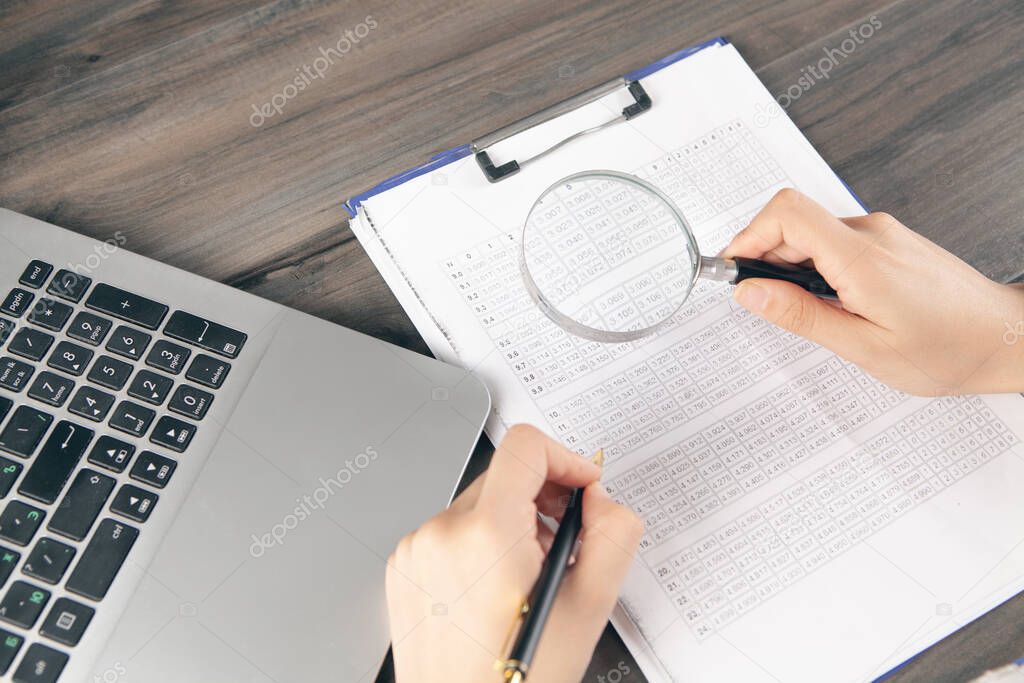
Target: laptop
{"x":197,"y":484}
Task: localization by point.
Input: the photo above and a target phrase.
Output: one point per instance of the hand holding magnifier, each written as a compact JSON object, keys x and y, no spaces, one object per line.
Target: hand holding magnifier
{"x":608,"y":257}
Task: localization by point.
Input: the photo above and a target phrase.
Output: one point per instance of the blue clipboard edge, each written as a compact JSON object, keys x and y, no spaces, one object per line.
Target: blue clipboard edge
{"x":448,"y":156}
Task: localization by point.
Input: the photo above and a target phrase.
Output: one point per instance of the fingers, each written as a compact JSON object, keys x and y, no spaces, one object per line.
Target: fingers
{"x":797,"y":310}
{"x":524,"y":460}
{"x":610,"y":536}
{"x":795,"y":228}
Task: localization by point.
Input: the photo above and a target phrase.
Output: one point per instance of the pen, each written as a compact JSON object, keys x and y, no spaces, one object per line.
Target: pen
{"x":533,"y":614}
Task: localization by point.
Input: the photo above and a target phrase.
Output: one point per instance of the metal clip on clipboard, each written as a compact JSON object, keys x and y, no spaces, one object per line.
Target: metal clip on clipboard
{"x":494,"y":172}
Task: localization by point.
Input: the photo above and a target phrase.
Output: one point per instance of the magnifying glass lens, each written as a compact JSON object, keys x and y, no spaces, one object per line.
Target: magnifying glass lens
{"x":607,"y":256}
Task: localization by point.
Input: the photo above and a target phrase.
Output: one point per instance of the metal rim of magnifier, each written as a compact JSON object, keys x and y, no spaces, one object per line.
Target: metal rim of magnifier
{"x":568,"y":323}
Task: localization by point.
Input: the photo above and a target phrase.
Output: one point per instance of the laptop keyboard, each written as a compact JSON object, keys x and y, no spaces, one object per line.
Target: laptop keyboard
{"x":71,"y":517}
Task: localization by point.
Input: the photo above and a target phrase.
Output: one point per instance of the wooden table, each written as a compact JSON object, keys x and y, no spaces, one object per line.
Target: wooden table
{"x":138,"y":116}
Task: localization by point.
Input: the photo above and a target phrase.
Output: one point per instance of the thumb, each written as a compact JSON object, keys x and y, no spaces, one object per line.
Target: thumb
{"x":795,"y":309}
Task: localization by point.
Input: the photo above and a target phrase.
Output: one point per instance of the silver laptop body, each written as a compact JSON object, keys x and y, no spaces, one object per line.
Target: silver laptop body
{"x":262,"y":556}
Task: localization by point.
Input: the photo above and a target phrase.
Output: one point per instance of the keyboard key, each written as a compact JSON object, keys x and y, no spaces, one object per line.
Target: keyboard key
{"x":112,"y":454}
{"x":19,"y":522}
{"x":10,"y":643}
{"x":128,"y":342}
{"x":66,"y":621}
{"x":126,"y":306}
{"x":5,"y":407}
{"x":205,"y":334}
{"x":208,"y":371}
{"x":132,"y":418}
{"x":82,"y":504}
{"x":51,"y":314}
{"x":134,"y":503}
{"x":68,"y":285}
{"x":51,"y":389}
{"x":48,"y":560}
{"x":23,"y":603}
{"x":70,"y":358}
{"x":102,"y":559}
{"x":91,"y":403}
{"x":14,"y":374}
{"x":89,"y":328}
{"x":6,"y":327}
{"x":172,"y":433}
{"x":153,"y":469}
{"x":168,"y":357}
{"x":150,"y":387}
{"x":190,"y":402}
{"x":110,"y":372}
{"x":8,"y":561}
{"x":9,"y":473}
{"x":30,"y":343}
{"x":24,"y":431}
{"x":17,"y":302}
{"x":41,"y":664}
{"x":35,"y":274}
{"x":58,"y":458}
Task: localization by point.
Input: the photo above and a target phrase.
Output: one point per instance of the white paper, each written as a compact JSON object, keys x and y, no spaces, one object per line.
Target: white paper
{"x":804,"y":522}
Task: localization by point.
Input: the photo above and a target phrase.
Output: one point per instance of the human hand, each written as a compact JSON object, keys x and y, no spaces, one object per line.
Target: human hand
{"x":913,"y":315}
{"x":456,"y":584}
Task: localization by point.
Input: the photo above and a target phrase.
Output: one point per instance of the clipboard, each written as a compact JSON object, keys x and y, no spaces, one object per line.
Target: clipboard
{"x":494,"y":169}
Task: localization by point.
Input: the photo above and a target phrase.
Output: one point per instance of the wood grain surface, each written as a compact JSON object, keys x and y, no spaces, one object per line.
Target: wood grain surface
{"x":137,"y":116}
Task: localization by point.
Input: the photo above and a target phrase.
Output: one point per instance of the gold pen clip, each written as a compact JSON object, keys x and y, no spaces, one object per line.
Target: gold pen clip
{"x":511,"y":667}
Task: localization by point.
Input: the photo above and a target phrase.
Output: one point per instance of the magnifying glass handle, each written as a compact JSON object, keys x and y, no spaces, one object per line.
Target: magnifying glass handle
{"x":808,"y":278}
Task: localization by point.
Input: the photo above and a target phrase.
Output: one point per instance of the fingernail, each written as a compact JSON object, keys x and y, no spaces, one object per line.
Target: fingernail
{"x":599,"y":490}
{"x":752,"y":297}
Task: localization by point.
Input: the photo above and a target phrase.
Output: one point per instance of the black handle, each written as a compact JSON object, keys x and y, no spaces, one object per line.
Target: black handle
{"x":808,"y":278}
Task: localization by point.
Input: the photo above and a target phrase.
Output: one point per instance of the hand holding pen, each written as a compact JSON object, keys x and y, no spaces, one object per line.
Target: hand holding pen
{"x":457,"y":584}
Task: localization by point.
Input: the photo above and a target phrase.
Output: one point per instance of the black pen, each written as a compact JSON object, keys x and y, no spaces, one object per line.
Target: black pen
{"x":533,"y":614}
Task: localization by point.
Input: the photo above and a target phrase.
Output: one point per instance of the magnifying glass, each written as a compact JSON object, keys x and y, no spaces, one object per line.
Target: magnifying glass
{"x":608,"y":257}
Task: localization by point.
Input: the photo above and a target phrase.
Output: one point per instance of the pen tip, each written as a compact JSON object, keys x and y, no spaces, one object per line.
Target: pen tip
{"x":598,"y":458}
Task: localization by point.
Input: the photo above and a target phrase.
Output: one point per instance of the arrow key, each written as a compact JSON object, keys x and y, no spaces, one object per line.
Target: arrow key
{"x":70,"y":358}
{"x":134,"y":503}
{"x":19,"y":522}
{"x":153,"y":469}
{"x":91,"y":403}
{"x":112,"y":454}
{"x":172,"y":433}
{"x":48,"y":560}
